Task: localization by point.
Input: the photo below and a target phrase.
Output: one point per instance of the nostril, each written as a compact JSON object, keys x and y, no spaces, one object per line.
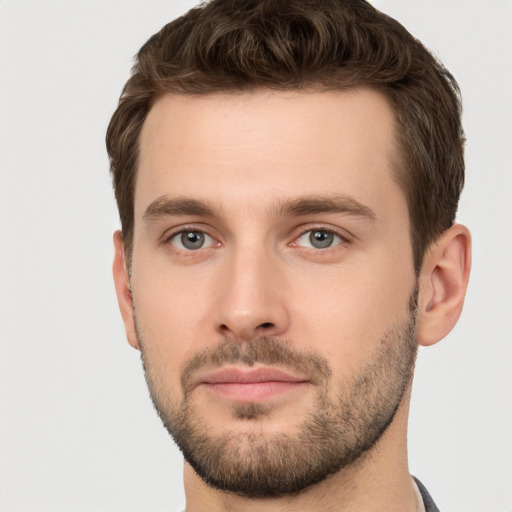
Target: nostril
{"x":246,"y":330}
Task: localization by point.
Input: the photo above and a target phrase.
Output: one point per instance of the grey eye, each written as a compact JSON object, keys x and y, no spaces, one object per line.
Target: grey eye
{"x":191,"y":240}
{"x":319,"y":239}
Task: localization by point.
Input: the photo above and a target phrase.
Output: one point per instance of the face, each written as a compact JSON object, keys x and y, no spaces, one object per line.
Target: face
{"x":273,"y":282}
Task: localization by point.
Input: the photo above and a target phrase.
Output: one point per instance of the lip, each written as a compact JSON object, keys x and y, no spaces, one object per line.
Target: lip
{"x":252,"y":385}
{"x":236,"y":375}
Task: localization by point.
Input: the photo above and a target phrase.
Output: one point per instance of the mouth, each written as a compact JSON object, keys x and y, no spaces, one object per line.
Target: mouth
{"x":254,"y":385}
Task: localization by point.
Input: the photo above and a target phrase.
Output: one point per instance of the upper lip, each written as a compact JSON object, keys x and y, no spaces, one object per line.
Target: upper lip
{"x":234,"y":375}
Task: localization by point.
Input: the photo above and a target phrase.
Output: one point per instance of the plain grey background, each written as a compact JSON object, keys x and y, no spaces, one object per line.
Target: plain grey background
{"x":77,"y":430}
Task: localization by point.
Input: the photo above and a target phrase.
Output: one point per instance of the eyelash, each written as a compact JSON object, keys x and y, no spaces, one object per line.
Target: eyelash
{"x":188,"y":229}
{"x":342,"y":239}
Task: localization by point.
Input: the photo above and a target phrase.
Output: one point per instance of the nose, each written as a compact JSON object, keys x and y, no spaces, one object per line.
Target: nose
{"x":252,"y":297}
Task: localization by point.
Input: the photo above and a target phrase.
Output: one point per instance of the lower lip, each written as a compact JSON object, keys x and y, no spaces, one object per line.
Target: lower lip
{"x":254,"y":391}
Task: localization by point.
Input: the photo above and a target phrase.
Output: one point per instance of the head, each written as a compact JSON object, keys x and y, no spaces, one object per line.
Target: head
{"x":232,"y":46}
{"x":287,"y":176}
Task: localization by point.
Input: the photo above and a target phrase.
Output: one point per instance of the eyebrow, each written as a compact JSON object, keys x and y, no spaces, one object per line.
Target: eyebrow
{"x":165,"y":206}
{"x":335,"y":203}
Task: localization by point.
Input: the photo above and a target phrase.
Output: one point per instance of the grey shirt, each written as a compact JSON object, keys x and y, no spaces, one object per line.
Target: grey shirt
{"x":430,"y":506}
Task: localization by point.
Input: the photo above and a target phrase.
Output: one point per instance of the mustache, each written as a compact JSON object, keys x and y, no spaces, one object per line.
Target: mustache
{"x":266,"y":350}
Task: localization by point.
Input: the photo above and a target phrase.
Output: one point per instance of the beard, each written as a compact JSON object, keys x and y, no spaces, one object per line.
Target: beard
{"x":347,"y":419}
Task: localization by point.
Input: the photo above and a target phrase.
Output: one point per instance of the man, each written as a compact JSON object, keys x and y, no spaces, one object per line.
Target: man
{"x":287,"y":175}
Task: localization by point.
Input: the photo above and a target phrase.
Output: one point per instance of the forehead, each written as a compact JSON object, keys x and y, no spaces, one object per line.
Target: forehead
{"x":229,"y":148}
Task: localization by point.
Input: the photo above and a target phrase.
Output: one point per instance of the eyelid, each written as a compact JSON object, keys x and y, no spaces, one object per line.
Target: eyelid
{"x":340,"y":233}
{"x":172,"y":233}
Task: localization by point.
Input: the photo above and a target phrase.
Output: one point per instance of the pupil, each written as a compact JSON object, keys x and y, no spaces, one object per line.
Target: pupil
{"x":192,"y":240}
{"x":321,"y":239}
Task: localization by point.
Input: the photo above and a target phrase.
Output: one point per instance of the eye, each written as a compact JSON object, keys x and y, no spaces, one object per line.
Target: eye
{"x":191,"y":240}
{"x":319,"y":239}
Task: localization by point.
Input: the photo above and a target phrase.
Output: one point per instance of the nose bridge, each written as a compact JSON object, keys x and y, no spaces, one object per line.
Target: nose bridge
{"x":251,"y":303}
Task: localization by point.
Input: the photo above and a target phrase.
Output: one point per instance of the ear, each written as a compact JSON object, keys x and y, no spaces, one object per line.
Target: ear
{"x":123,"y":290}
{"x":443,"y":283}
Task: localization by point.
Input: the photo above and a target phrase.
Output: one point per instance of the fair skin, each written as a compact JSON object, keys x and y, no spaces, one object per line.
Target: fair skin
{"x":258,"y":273}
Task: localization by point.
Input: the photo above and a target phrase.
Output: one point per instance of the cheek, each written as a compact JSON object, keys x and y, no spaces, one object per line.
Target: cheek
{"x":169,"y":314}
{"x":348,"y":310}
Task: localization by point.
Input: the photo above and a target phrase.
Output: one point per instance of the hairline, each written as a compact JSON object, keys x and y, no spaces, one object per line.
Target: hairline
{"x":398,"y":155}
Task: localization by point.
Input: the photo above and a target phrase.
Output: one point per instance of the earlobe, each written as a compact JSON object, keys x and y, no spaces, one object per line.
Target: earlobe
{"x":123,"y":289}
{"x":443,"y":283}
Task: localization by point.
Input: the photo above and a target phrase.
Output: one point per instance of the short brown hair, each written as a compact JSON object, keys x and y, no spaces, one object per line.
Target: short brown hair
{"x":240,"y":45}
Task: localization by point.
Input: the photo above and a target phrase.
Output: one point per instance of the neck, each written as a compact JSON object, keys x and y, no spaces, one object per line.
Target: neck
{"x":378,"y":481}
